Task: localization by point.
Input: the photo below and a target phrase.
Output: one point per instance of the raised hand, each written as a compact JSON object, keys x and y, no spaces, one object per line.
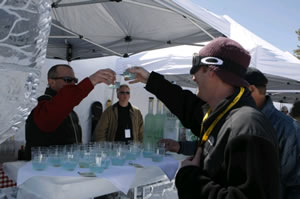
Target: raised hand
{"x":106,"y":76}
{"x":142,"y":75}
{"x":171,"y":145}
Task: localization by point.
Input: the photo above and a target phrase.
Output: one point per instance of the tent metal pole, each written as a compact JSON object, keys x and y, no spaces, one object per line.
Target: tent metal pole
{"x":161,"y":44}
{"x":148,"y":6}
{"x":54,"y":4}
{"x":107,"y":49}
{"x":63,"y":37}
{"x":170,"y":42}
{"x":86,"y":39}
{"x":66,"y":30}
{"x":186,"y":36}
{"x":146,"y":49}
{"x":211,"y":36}
{"x":58,"y":5}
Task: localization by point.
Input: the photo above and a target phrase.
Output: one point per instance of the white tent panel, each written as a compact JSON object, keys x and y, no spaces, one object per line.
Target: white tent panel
{"x":171,"y":61}
{"x":264,"y":56}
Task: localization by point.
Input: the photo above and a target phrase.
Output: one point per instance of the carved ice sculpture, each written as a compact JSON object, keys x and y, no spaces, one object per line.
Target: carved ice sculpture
{"x":24,"y":31}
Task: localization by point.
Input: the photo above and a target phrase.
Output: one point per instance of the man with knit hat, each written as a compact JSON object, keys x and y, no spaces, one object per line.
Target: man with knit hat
{"x":237,"y":155}
{"x":287,"y":132}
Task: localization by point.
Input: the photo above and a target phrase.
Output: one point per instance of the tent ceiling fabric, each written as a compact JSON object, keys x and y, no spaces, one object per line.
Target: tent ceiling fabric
{"x":283,"y":90}
{"x":88,"y":29}
{"x":285,"y":97}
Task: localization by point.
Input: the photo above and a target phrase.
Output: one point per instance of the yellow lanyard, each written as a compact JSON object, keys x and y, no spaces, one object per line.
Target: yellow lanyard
{"x":214,"y":123}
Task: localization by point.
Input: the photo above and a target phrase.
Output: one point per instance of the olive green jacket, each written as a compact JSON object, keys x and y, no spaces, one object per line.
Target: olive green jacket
{"x":107,"y":126}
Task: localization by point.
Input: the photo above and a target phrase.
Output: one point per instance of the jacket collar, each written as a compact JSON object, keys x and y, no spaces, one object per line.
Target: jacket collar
{"x":269,"y":107}
{"x":245,"y":100}
{"x":50,"y":91}
{"x":115,"y":105}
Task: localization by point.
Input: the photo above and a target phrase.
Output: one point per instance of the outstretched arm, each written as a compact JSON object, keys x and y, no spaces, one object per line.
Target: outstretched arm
{"x":49,"y":114}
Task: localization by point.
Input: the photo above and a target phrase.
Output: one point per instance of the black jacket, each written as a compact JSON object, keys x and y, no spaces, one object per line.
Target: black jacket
{"x":68,"y":132}
{"x":239,"y":160}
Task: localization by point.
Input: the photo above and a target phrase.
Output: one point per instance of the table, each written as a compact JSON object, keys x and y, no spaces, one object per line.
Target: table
{"x":57,"y":187}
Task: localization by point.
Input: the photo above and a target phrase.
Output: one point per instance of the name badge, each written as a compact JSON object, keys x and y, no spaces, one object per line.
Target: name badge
{"x":127,"y":133}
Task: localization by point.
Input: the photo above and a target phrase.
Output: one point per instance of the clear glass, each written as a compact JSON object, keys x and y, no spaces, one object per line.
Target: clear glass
{"x":56,"y":155}
{"x":85,"y":158}
{"x":39,"y":162}
{"x":148,"y":150}
{"x":105,"y":160}
{"x":118,"y":157}
{"x":116,"y":84}
{"x":134,"y":150}
{"x":127,"y":75}
{"x":159,"y":154}
{"x":69,"y":161}
{"x":39,"y":156}
{"x":97,"y":164}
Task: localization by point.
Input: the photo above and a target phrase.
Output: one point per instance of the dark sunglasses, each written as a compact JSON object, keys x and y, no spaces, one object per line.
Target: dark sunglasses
{"x":123,"y":92}
{"x":67,"y":79}
{"x":204,"y":61}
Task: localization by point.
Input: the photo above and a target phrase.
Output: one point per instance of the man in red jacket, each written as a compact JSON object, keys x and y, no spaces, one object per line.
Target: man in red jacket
{"x":53,"y":121}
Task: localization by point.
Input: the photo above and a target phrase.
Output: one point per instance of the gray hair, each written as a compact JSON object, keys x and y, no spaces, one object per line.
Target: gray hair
{"x":121,"y":86}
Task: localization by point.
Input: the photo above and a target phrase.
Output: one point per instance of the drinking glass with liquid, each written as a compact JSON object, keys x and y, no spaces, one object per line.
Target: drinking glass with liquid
{"x":116,"y":84}
{"x":39,"y":156}
{"x":126,"y":74}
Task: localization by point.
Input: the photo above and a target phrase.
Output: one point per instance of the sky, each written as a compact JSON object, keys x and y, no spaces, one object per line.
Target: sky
{"x":275,"y":21}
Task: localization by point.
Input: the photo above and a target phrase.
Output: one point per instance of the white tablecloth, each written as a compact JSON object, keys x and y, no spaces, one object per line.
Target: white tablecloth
{"x":57,"y":183}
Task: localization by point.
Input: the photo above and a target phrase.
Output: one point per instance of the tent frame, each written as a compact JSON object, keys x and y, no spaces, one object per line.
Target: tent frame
{"x":128,"y":38}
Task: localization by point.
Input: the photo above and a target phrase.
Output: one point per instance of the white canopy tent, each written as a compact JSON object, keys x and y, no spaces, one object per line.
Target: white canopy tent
{"x":87,"y":29}
{"x":281,"y":68}
{"x":83,"y":29}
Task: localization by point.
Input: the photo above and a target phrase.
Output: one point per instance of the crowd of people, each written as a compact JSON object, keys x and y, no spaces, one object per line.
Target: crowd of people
{"x":246,"y":148}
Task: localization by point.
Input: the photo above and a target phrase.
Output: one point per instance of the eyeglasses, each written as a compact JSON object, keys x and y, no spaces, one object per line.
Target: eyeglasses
{"x":199,"y":61}
{"x":124,"y":92}
{"x":67,"y":79}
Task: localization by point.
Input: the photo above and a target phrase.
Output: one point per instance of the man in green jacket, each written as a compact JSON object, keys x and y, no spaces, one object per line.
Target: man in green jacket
{"x":121,"y":121}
